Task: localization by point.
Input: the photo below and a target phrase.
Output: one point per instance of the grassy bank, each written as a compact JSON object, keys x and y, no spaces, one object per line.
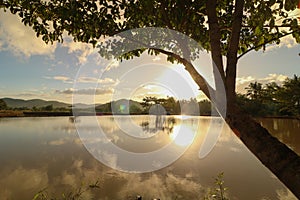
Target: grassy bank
{"x":11,"y":113}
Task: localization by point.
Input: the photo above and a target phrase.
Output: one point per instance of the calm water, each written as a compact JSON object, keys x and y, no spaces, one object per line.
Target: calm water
{"x":38,"y":153}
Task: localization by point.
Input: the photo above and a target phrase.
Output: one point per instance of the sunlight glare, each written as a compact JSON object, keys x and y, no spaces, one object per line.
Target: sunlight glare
{"x":185,"y":138}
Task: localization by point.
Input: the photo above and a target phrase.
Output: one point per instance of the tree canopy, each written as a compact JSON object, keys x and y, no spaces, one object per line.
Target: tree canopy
{"x":3,"y":105}
{"x":87,"y":21}
{"x":272,"y":99}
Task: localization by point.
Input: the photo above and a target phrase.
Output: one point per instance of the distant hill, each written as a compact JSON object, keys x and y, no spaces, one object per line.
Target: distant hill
{"x":20,"y":103}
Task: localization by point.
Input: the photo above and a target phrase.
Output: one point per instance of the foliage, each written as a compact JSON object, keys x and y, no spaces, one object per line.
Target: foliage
{"x":70,"y":195}
{"x":289,"y":96}
{"x":272,"y":99}
{"x":87,"y":21}
{"x":48,"y":108}
{"x":179,"y":107}
{"x":3,"y":105}
{"x":217,"y":193}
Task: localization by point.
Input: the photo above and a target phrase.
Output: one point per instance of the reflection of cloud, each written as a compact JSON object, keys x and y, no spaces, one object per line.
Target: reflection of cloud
{"x":20,"y":39}
{"x":57,"y":142}
{"x":160,"y":187}
{"x":285,"y":195}
{"x":88,"y":91}
{"x":111,"y":159}
{"x":69,"y":179}
{"x":20,"y":180}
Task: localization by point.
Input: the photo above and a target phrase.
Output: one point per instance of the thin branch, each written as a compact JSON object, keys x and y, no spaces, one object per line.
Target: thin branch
{"x":200,"y":81}
{"x":268,"y":41}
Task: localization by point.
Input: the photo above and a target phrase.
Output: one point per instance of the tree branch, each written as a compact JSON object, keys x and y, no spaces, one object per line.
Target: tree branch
{"x":268,"y":41}
{"x":200,"y":81}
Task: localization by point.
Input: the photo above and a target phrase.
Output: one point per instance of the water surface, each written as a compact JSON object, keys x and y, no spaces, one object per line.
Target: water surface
{"x":38,"y":153}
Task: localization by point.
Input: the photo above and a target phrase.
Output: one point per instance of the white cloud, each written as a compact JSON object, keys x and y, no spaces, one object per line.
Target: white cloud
{"x":19,"y":39}
{"x":82,"y":50}
{"x":156,"y":58}
{"x":278,"y":78}
{"x":64,"y":79}
{"x":112,"y":65}
{"x":288,"y":42}
{"x":242,"y":82}
{"x":96,"y":80}
{"x":87,"y":91}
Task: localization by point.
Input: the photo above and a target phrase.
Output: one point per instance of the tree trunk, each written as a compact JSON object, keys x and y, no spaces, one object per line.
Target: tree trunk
{"x":276,"y":156}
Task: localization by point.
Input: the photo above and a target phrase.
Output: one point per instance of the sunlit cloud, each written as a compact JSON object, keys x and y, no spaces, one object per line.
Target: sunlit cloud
{"x":243,"y":82}
{"x":81,"y":50}
{"x":156,"y":58}
{"x":19,"y":39}
{"x":64,"y":79}
{"x":96,"y":80}
{"x":114,"y":64}
{"x":87,"y":91}
{"x":288,"y":42}
{"x":32,"y":179}
{"x":278,"y":78}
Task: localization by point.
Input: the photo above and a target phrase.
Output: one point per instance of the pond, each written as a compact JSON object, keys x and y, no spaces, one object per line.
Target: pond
{"x":48,"y":153}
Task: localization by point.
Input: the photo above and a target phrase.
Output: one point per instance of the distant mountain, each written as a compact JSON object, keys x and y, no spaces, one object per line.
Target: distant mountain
{"x":19,"y":103}
{"x":122,"y":105}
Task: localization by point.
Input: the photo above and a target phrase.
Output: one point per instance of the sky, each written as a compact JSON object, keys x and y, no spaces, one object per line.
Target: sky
{"x":30,"y":69}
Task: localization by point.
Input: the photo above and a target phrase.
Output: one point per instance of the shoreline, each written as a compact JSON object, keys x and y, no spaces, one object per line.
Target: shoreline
{"x":16,"y":114}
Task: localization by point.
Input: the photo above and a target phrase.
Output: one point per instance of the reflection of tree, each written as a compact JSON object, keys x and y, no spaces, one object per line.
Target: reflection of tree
{"x":159,"y":123}
{"x":286,"y":130}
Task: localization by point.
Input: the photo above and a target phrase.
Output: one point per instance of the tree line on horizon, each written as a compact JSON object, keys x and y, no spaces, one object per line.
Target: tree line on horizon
{"x":272,"y":99}
{"x":260,"y":100}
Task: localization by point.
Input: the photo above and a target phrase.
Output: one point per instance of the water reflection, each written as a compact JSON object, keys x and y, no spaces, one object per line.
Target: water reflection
{"x":159,"y":123}
{"x":134,"y":150}
{"x":36,"y":153}
{"x":286,"y":130}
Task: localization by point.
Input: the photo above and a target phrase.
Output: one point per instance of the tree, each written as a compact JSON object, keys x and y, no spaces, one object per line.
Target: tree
{"x":272,"y":99}
{"x":3,"y":105}
{"x":229,"y":28}
{"x":48,"y":108}
{"x":289,"y":96}
{"x":135,"y":109}
{"x":255,"y":91}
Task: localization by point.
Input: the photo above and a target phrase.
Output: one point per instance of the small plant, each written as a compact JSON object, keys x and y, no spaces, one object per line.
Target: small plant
{"x":72,"y":195}
{"x":217,"y":193}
